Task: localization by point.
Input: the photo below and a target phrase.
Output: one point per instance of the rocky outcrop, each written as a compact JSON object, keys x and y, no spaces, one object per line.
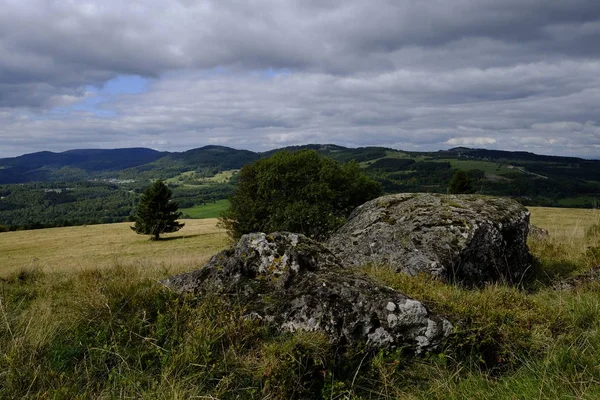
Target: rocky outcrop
{"x":297,"y":283}
{"x":459,"y":238}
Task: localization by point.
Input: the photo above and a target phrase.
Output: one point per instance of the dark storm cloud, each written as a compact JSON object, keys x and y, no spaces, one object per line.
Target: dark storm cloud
{"x":413,"y":74}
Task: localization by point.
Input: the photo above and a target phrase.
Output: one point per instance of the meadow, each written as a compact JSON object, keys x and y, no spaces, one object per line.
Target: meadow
{"x":82,"y":316}
{"x":77,"y":248}
{"x":490,"y":168}
{"x":208,"y":210}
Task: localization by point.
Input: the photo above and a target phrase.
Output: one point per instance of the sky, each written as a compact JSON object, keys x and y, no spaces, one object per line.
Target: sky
{"x":420,"y":75}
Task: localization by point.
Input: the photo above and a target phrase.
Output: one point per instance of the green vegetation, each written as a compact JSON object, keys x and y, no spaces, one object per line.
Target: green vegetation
{"x":156,"y":213}
{"x":103,"y":186}
{"x":582,"y":201}
{"x":206,"y":162}
{"x":223,"y":176}
{"x":299,"y":192}
{"x":45,"y":204}
{"x":460,"y":183}
{"x":190,"y":196}
{"x":116,"y":333}
{"x":490,"y":168}
{"x":208,"y":210}
{"x":40,"y":205}
{"x":194,"y":178}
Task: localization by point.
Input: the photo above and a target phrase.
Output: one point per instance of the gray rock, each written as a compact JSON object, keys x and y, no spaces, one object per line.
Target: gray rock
{"x":300,"y":285}
{"x":537,"y":232}
{"x":470,"y":239}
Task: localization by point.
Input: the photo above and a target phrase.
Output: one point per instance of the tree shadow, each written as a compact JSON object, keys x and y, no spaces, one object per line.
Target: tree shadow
{"x":548,"y":273}
{"x":166,"y":239}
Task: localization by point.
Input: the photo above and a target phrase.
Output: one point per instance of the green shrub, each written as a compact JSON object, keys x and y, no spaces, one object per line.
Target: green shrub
{"x":300,"y":192}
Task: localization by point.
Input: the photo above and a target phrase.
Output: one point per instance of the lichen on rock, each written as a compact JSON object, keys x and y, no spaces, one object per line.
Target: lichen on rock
{"x":459,"y":238}
{"x":299,"y":284}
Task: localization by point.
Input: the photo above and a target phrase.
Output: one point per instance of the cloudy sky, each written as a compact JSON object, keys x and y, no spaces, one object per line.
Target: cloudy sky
{"x":259,"y":74}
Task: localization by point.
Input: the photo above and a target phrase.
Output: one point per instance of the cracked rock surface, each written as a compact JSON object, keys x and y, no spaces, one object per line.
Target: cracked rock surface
{"x":299,"y":284}
{"x":470,"y":239}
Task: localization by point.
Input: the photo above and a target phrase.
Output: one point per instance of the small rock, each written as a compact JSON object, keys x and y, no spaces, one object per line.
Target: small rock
{"x":537,"y":232}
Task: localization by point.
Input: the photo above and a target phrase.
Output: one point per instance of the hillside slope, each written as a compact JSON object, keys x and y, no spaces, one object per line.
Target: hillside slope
{"x":72,"y":164}
{"x":53,"y":189}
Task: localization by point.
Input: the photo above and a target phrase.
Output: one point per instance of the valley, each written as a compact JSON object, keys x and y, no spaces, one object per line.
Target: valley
{"x":102,"y":186}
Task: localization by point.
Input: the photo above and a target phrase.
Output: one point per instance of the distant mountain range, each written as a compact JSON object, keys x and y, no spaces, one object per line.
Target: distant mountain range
{"x":131,"y":163}
{"x":98,"y":186}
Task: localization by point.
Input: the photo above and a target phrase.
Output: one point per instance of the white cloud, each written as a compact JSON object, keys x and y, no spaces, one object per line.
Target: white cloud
{"x":471,"y":141}
{"x":416,"y":75}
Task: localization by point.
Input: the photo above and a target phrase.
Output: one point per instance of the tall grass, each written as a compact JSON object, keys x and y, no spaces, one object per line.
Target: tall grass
{"x":117,"y":333}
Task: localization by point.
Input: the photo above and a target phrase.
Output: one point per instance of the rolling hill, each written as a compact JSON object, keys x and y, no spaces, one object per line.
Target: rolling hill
{"x":97,"y":186}
{"x":72,"y":164}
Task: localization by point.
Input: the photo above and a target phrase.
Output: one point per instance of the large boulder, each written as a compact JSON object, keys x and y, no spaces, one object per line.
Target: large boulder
{"x":470,"y":239}
{"x":297,"y":283}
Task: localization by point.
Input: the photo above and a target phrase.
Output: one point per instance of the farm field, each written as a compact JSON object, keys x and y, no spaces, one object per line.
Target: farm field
{"x":189,"y":177}
{"x":490,"y":168}
{"x":223,"y":176}
{"x":99,"y":246}
{"x":208,"y":210}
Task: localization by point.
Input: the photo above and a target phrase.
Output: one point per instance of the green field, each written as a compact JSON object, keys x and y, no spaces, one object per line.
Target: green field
{"x":191,"y":178}
{"x":393,"y":154}
{"x":583,"y":201}
{"x":83,"y":315}
{"x":179,"y":179}
{"x":223,"y":176}
{"x":490,"y":168}
{"x":208,"y":210}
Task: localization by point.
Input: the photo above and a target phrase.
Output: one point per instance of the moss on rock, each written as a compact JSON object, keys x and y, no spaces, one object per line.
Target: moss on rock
{"x":470,"y":239}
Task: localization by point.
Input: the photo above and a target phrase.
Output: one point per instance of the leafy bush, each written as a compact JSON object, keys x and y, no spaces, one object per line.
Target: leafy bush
{"x":299,"y":192}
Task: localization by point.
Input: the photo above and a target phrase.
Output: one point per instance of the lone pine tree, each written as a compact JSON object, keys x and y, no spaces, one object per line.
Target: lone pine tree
{"x":156,"y":213}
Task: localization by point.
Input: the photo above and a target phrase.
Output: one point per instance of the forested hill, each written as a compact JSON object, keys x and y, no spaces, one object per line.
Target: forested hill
{"x":71,"y":165}
{"x":93,"y":186}
{"x":132,"y":163}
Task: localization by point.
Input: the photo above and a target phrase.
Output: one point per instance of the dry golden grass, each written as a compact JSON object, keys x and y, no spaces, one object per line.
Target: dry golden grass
{"x":571,"y":245}
{"x":60,"y":332}
{"x":564,"y":222}
{"x":99,"y":246}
